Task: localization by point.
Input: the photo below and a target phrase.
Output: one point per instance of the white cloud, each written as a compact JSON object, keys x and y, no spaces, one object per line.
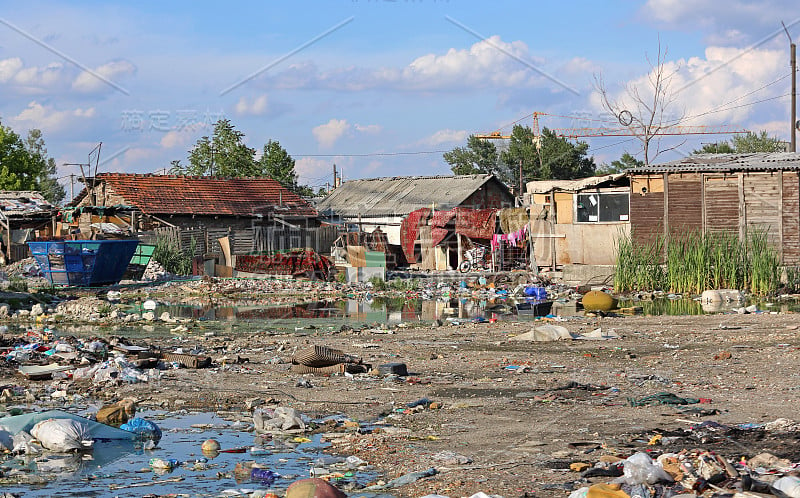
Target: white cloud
{"x":9,"y":68}
{"x":176,"y":138}
{"x":312,"y":167}
{"x":90,"y":82}
{"x":40,"y":77}
{"x":490,"y":63}
{"x":259,"y":106}
{"x":47,"y":118}
{"x":372,"y":129}
{"x":446,"y":136}
{"x":718,"y":88}
{"x":327,"y":134}
{"x":737,"y":21}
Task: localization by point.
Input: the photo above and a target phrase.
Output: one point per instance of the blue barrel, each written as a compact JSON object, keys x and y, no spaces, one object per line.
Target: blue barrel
{"x":83,"y":263}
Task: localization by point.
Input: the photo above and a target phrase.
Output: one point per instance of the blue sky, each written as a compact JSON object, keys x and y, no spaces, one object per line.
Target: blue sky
{"x":378,"y":87}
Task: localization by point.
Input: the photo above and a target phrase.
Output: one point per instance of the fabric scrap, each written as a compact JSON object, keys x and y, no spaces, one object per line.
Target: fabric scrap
{"x":439,"y":222}
{"x":663,"y":398}
{"x":409,"y":230}
{"x":513,"y":219}
{"x":476,"y":223}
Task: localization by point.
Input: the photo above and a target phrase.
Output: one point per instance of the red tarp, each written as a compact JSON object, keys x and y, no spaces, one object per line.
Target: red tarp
{"x":476,"y":223}
{"x":294,"y":262}
{"x":439,"y":222}
{"x":409,"y":229}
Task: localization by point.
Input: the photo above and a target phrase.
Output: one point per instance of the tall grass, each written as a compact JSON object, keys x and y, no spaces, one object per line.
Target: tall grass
{"x":692,"y":262}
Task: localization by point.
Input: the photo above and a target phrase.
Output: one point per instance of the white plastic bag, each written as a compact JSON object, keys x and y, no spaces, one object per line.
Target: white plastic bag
{"x":23,"y":444}
{"x":788,"y":485}
{"x":639,"y":468}
{"x":62,"y":435}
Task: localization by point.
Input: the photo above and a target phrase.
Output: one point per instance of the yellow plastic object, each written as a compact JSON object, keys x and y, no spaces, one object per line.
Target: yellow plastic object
{"x":598,"y":301}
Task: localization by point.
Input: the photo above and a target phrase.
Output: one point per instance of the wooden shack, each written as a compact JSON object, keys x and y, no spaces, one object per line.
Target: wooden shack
{"x":737,"y":193}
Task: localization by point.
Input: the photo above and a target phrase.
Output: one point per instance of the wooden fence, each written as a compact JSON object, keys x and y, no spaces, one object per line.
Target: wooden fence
{"x":247,"y":241}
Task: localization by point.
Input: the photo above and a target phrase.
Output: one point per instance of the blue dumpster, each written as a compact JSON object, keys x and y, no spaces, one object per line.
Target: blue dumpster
{"x":83,"y":263}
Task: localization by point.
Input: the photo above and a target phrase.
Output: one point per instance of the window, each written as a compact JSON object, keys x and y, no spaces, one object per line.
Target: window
{"x":601,"y":207}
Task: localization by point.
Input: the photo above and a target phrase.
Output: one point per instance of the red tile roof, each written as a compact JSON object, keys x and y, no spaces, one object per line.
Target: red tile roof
{"x":203,"y":195}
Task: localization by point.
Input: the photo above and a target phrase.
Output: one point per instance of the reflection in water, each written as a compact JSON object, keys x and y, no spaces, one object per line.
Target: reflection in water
{"x":377,"y":310}
{"x":396,"y":310}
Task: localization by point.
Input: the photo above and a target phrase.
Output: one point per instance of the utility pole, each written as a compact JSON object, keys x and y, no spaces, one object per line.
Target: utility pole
{"x":793,"y":58}
{"x":334,"y":175}
{"x":72,"y":186}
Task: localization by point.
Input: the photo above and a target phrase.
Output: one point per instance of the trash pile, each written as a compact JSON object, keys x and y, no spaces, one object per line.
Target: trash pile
{"x":41,"y":355}
{"x":690,"y":470}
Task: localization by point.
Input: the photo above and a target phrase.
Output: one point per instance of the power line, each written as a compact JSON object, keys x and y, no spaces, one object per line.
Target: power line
{"x":371,"y":154}
{"x":717,"y":108}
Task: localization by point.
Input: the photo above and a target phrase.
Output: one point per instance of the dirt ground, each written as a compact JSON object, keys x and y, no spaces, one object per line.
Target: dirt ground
{"x":519,"y":427}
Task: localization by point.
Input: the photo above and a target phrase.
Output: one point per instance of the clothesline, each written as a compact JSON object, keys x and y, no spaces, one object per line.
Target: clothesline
{"x":510,"y":238}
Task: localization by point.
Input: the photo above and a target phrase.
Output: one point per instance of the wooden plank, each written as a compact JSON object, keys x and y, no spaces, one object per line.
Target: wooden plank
{"x":791,"y":217}
{"x":721,"y":198}
{"x":684,"y":201}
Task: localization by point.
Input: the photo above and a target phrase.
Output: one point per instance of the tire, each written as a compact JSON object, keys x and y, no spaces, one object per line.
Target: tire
{"x":464,"y":267}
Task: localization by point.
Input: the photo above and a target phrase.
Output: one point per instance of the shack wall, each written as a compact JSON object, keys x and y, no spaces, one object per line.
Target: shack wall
{"x":739,"y":202}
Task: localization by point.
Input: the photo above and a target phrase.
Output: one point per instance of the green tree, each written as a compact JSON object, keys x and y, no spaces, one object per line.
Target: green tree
{"x":743,"y":144}
{"x":277,"y":164}
{"x":715,"y":148}
{"x":757,"y":142}
{"x":45,"y":167}
{"x":627,"y":161}
{"x":478,"y":157}
{"x":24,"y":165}
{"x":553,"y":158}
{"x":223,"y":154}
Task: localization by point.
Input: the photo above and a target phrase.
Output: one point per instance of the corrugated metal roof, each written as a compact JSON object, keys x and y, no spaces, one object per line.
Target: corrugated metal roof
{"x":399,"y":195}
{"x":544,"y":186}
{"x":760,"y":161}
{"x":24,"y":203}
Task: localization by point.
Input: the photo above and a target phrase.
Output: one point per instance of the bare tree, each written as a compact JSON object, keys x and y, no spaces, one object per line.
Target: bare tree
{"x":644,"y":108}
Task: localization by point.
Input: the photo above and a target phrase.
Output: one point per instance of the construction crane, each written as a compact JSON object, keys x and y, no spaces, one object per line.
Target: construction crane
{"x":623,"y":131}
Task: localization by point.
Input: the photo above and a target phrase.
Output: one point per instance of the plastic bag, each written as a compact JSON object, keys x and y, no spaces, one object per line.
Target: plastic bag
{"x":787,"y":486}
{"x":284,"y":419}
{"x":639,"y":468}
{"x":144,"y":429}
{"x":23,"y":444}
{"x":62,"y":435}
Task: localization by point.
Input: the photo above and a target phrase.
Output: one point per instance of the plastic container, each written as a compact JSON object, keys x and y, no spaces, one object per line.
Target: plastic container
{"x":265,"y":476}
{"x":536,"y":292}
{"x":83,"y":263}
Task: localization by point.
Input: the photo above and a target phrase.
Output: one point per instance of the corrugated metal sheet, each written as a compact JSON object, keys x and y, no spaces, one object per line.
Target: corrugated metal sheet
{"x":544,"y":186}
{"x":761,"y":161}
{"x":400,"y":195}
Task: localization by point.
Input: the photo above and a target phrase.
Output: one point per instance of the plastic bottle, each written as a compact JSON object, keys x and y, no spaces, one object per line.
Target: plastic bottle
{"x":162,"y":464}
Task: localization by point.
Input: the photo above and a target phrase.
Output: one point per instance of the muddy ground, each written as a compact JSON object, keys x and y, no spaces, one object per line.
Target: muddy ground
{"x":522,"y":426}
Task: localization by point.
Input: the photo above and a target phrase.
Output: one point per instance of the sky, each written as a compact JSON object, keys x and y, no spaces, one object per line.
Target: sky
{"x":379,"y":87}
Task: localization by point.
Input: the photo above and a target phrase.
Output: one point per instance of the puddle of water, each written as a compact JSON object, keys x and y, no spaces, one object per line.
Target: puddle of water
{"x":664,"y":306}
{"x":349,"y":312}
{"x":115,"y":467}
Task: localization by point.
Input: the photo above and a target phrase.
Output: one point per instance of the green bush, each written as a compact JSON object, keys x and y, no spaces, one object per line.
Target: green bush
{"x":17,"y":284}
{"x":172,"y":258}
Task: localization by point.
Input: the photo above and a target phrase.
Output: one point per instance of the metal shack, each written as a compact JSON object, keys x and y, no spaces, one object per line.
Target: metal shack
{"x":382,"y":203}
{"x":575,"y":222}
{"x":720,"y":192}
